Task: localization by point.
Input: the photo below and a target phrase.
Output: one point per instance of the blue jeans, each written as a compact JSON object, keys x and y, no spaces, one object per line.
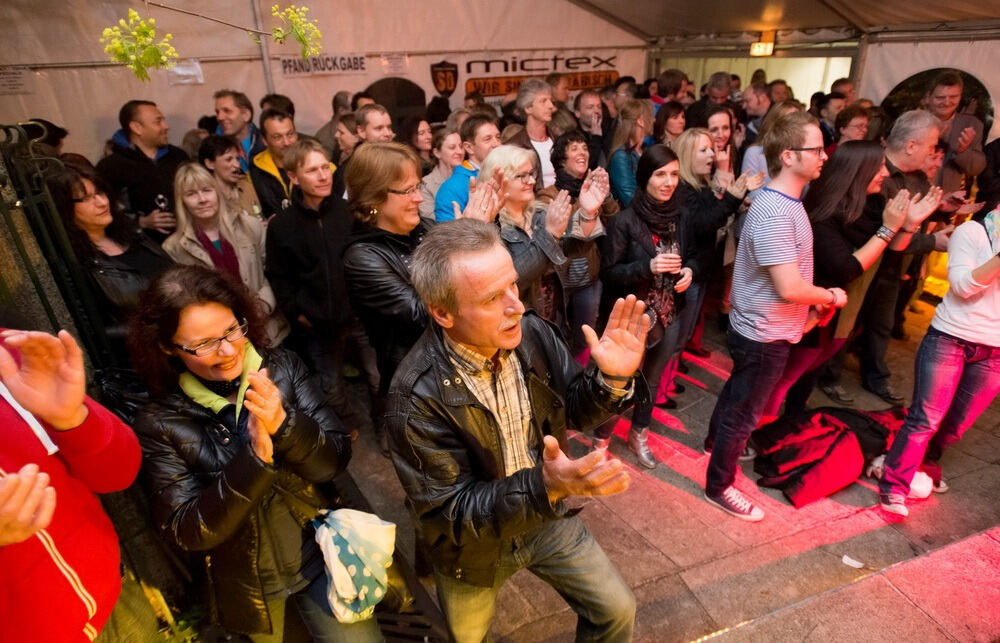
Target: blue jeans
{"x":955,"y":380}
{"x":757,"y":367}
{"x":314,"y":608}
{"x":566,"y":556}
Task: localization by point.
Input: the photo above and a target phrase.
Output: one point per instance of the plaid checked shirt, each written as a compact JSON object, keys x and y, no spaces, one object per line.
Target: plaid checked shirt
{"x":499,"y":385}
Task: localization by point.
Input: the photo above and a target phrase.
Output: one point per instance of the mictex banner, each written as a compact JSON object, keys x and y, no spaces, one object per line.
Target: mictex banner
{"x":495,"y":75}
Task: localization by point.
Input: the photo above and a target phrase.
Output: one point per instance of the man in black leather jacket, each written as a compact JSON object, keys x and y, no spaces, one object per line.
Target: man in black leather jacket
{"x":477,"y":413}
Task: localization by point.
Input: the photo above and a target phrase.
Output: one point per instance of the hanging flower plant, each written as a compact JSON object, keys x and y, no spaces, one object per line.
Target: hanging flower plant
{"x":299,"y":27}
{"x":133,"y":43}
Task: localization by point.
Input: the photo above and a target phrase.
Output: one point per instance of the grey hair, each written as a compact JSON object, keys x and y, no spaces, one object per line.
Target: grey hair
{"x":431,"y":269}
{"x":529,"y":88}
{"x":720,"y":80}
{"x":909,"y":127}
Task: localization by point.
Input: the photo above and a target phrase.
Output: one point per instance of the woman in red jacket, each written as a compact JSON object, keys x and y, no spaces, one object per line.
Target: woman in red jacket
{"x":59,"y":558}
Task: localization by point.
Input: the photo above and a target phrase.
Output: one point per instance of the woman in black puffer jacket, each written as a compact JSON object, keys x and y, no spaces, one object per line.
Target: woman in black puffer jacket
{"x":237,"y":446}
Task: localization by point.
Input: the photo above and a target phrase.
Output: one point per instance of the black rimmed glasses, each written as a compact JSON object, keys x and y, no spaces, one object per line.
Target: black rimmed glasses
{"x":816,"y":150}
{"x":408,"y":192}
{"x":235,"y":333}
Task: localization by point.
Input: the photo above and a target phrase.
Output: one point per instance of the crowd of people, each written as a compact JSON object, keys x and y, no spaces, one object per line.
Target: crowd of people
{"x":494,"y":278}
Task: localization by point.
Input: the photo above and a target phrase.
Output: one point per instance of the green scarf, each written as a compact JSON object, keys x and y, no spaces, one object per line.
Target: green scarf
{"x":200,"y":394}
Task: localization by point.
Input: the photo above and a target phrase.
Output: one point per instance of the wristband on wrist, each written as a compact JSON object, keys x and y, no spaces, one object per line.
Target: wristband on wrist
{"x":885,"y":233}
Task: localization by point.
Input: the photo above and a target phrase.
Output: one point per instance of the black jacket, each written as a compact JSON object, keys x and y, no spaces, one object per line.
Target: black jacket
{"x":377,"y":271}
{"x":304,"y":266}
{"x":139,"y":180}
{"x":271,"y":184}
{"x":208,"y":487}
{"x":702,"y":216}
{"x":446,"y":447}
{"x":626,"y":250}
{"x":120,"y":283}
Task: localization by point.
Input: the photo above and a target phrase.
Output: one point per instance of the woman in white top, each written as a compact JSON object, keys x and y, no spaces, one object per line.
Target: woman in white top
{"x":957,"y":366}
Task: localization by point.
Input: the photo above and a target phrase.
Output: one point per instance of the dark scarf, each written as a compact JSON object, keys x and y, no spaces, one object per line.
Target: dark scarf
{"x":224,"y":258}
{"x":660,"y":218}
{"x":220,"y":388}
{"x":568,"y":182}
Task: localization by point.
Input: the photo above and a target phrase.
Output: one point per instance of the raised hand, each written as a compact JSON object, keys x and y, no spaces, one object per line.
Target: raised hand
{"x":50,"y":383}
{"x":595,"y":190}
{"x":557,"y":214}
{"x":965,"y":139}
{"x":896,"y":209}
{"x":739,"y":187}
{"x":591,"y":475}
{"x":263,"y":400}
{"x":27,"y":503}
{"x":920,"y":209}
{"x":619,"y":351}
{"x":941,"y":238}
{"x":485,"y":199}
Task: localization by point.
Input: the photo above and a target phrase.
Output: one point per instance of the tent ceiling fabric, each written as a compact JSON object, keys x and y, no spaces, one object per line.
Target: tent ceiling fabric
{"x":684,"y":18}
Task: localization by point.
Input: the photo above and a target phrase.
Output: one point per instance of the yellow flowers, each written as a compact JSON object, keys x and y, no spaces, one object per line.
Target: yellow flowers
{"x":134,"y":45}
{"x":299,"y":27}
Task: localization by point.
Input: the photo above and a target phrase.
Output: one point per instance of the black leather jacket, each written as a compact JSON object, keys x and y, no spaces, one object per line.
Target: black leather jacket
{"x":207,"y":485}
{"x":377,"y":271}
{"x":447,"y":452}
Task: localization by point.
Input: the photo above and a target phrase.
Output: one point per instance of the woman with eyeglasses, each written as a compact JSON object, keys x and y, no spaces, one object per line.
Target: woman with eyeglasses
{"x":533,"y":231}
{"x":211,"y":233}
{"x":383,"y":181}
{"x":118,"y":258}
{"x":238,"y":447}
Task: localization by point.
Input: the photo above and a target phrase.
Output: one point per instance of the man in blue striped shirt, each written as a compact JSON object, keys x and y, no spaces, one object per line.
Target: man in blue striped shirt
{"x":773,"y":301}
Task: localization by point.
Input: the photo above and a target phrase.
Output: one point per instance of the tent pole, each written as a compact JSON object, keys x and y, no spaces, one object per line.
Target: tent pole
{"x":265,"y":54}
{"x":858,"y":62}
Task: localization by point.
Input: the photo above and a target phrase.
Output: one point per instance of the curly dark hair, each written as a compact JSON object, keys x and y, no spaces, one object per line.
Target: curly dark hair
{"x":66,"y":184}
{"x":154,"y":322}
{"x":561,"y":143}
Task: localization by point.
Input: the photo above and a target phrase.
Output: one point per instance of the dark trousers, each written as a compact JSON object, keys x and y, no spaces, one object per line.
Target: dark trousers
{"x":877,"y":316}
{"x":757,"y":367}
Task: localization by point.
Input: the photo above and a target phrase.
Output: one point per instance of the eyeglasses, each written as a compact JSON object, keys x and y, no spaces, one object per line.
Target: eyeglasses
{"x":407,"y":192}
{"x":525,"y":177}
{"x":817,"y":150}
{"x":206,"y":348}
{"x":87,"y":198}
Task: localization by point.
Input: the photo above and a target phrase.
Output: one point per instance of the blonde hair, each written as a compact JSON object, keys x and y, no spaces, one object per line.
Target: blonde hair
{"x":686,"y":146}
{"x":630,"y":114}
{"x":507,"y":158}
{"x":297,"y":152}
{"x":196,"y":176}
{"x":374,"y":167}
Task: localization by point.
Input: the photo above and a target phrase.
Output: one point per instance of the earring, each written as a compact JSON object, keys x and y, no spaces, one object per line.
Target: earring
{"x":372,"y":211}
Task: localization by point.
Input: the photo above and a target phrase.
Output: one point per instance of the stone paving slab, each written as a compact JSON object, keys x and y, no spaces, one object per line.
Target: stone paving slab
{"x":958,"y":586}
{"x":873,"y":611}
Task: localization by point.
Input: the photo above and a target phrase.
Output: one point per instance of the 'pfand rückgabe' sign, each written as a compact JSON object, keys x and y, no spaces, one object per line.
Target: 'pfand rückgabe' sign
{"x":325,"y":64}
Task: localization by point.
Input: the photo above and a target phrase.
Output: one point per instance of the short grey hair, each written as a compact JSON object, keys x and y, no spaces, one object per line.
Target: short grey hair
{"x":909,"y":127}
{"x":529,"y":88}
{"x":431,"y":269}
{"x":720,"y":80}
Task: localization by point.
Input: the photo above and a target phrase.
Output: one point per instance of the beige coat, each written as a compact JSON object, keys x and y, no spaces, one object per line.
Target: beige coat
{"x":246,"y":234}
